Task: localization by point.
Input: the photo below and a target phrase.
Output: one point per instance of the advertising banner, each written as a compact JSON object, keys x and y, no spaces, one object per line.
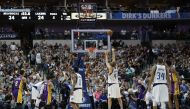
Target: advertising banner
{"x":8,"y":35}
{"x":99,"y":16}
{"x":149,"y":16}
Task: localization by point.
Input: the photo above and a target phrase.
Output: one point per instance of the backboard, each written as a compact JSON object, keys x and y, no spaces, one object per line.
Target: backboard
{"x":82,"y":39}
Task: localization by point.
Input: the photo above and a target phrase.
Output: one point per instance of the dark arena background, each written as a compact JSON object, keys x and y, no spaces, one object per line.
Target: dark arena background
{"x":51,"y":49}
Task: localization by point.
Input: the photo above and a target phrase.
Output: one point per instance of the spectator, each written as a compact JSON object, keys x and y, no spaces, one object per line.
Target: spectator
{"x":130,"y":72}
{"x":4,"y":48}
{"x":97,"y":94}
{"x":13,"y":46}
{"x":132,"y":99}
{"x":103,"y":100}
{"x":90,"y":93}
{"x":184,"y":87}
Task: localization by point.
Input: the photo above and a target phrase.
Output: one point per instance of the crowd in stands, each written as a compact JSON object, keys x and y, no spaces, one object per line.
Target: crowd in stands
{"x":129,"y":32}
{"x":134,"y":63}
{"x":7,"y":32}
{"x":112,"y":6}
{"x":6,"y":28}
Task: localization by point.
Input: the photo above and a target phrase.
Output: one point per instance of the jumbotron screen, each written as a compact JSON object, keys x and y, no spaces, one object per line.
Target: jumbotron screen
{"x":87,"y":12}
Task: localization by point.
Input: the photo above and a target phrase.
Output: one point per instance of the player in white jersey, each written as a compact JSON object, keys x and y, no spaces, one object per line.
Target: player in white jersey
{"x":113,"y":83}
{"x":76,"y":91}
{"x":160,"y":81}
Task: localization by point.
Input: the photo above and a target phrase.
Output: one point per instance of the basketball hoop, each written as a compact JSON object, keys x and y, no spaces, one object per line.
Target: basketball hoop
{"x":91,"y":52}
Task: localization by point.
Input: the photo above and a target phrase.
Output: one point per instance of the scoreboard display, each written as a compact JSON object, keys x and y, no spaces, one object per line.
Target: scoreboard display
{"x":87,"y":11}
{"x":34,"y":16}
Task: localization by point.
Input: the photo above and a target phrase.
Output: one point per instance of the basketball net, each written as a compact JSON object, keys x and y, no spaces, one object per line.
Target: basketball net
{"x":91,"y":52}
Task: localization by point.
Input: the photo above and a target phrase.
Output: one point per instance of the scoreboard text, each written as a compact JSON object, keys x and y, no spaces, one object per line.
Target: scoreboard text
{"x":35,"y":16}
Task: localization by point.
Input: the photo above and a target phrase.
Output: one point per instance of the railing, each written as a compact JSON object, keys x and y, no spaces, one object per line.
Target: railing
{"x":116,"y":36}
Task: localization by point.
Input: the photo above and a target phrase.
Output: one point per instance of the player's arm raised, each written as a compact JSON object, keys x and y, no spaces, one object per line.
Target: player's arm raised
{"x":107,"y":63}
{"x":74,"y":78}
{"x":152,"y":72}
{"x":113,"y":55}
{"x":168,"y":79}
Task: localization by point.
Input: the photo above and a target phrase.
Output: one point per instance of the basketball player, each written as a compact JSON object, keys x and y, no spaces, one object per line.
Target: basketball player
{"x":76,"y":94}
{"x":113,"y":83}
{"x":19,"y":86}
{"x":174,"y":85}
{"x":160,"y":81}
{"x":46,"y":93}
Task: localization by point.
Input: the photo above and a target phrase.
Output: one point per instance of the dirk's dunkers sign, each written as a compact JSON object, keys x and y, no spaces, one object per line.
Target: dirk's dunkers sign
{"x":149,"y":16}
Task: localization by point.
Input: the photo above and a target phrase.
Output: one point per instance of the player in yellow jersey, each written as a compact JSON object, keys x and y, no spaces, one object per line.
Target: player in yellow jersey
{"x":18,"y":88}
{"x":174,"y":79}
{"x":46,"y":94}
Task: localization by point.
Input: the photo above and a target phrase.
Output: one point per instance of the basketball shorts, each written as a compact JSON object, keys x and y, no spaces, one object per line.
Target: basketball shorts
{"x":160,"y":93}
{"x":77,"y":96}
{"x":114,"y":91}
{"x":174,"y":88}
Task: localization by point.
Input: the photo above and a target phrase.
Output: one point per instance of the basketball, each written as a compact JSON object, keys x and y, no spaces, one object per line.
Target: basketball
{"x":110,"y":32}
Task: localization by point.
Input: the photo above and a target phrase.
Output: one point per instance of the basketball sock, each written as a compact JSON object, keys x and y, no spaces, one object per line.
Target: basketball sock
{"x":163,"y":105}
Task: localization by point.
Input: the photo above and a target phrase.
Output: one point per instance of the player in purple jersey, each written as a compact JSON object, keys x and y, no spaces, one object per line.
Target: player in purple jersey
{"x":141,"y":94}
{"x":174,"y":79}
{"x":46,"y":94}
{"x":18,"y":87}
